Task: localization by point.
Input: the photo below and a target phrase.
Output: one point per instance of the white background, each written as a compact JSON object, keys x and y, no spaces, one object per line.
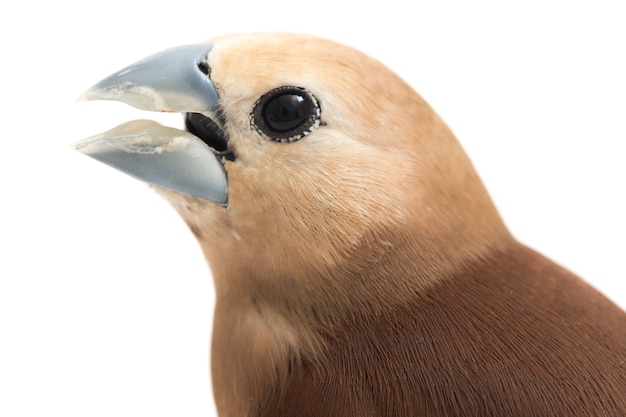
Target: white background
{"x":105,"y":298}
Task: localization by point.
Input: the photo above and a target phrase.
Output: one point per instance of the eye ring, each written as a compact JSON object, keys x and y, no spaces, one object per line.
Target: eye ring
{"x":286,"y":114}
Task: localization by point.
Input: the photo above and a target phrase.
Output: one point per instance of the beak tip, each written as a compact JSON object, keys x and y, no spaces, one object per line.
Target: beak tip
{"x":83,"y":97}
{"x":95,"y":93}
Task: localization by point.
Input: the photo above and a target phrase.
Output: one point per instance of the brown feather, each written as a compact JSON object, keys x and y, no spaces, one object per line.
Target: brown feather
{"x":510,"y":335}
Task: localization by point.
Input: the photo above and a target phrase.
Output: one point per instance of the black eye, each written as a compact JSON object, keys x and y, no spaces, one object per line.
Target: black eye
{"x":286,"y":114}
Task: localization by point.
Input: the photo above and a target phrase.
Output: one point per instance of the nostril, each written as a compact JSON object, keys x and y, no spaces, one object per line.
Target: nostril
{"x":204,"y":68}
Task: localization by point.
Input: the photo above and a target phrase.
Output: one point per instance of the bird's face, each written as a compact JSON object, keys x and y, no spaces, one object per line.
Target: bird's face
{"x":308,"y":158}
{"x":309,"y":178}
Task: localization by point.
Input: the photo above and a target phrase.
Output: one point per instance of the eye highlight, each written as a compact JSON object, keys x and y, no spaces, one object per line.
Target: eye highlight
{"x":286,"y":114}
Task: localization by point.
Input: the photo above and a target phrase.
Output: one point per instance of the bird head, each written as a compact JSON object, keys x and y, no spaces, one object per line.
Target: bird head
{"x":306,"y":168}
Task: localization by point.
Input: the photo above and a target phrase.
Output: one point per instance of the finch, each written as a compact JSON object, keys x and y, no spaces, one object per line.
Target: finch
{"x":360,"y":266}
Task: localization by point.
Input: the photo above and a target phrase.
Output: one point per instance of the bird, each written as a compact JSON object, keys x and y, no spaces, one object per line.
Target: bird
{"x":360,"y":265}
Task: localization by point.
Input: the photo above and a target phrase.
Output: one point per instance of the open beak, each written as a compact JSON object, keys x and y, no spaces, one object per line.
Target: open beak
{"x":175,"y":80}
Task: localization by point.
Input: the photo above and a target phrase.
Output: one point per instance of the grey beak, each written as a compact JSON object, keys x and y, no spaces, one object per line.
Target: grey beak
{"x":175,"y":80}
